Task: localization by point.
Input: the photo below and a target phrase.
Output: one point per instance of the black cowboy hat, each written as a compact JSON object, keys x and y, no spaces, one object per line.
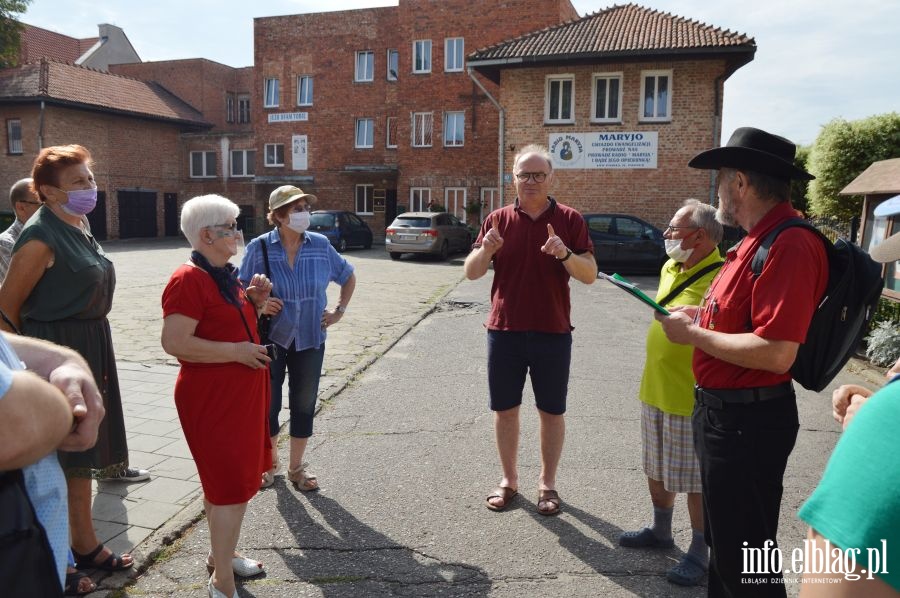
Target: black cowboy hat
{"x":756,"y":150}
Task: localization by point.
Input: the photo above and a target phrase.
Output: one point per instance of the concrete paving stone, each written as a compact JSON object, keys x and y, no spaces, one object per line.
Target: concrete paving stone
{"x":155,"y":427}
{"x":159,"y":413}
{"x":164,"y":489}
{"x":107,"y":530}
{"x":149,"y":442}
{"x":175,"y":467}
{"x":127,"y":538}
{"x":137,"y":410}
{"x":109,"y":507}
{"x":151,"y":514}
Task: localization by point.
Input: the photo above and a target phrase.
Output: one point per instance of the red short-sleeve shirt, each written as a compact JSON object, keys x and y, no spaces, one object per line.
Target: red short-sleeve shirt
{"x":530,"y":291}
{"x":778,"y":305}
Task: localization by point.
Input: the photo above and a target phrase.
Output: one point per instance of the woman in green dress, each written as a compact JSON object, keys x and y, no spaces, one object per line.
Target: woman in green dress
{"x":59,"y":288}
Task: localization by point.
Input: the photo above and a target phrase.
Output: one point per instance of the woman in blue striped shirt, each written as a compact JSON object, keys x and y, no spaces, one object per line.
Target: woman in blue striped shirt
{"x":301,"y":264}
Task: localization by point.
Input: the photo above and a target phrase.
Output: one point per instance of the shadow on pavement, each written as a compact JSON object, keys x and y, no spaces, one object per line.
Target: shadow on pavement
{"x":343,"y":557}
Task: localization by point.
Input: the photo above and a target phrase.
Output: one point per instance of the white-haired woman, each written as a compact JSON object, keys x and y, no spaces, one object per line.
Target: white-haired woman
{"x":222,"y":390}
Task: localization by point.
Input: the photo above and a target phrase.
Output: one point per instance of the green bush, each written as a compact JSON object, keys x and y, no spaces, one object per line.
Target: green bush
{"x":883,"y":345}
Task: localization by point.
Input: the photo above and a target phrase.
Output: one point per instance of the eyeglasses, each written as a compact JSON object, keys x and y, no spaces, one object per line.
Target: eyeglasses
{"x":538,"y":177}
{"x":230,"y":226}
{"x":678,"y":228}
{"x":300,"y":208}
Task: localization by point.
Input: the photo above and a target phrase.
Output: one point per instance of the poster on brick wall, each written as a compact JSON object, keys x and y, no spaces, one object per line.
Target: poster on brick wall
{"x":299,"y":149}
{"x":613,"y":150}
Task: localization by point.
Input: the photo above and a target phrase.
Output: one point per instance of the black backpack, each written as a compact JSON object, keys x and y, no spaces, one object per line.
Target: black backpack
{"x":840,"y":320}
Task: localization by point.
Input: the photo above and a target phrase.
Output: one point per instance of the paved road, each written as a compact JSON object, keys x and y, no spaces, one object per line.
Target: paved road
{"x":405,"y":457}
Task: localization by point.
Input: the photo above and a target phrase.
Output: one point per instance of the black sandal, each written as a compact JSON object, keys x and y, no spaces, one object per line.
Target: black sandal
{"x":73,"y":584}
{"x":111,"y":563}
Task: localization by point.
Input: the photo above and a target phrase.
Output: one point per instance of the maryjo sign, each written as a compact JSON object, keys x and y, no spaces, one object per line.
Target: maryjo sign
{"x":605,"y":150}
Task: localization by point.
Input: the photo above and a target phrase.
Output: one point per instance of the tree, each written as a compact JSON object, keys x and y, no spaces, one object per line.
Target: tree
{"x":799,"y":188}
{"x":10,"y":30}
{"x":841,"y":152}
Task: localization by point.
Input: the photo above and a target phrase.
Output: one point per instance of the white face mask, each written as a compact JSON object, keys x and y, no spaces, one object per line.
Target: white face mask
{"x":298,"y":221}
{"x":676,"y":252}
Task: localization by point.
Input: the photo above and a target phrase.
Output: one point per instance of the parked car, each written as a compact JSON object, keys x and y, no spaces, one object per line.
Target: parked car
{"x":343,"y":229}
{"x":437,"y":233}
{"x":625,"y":243}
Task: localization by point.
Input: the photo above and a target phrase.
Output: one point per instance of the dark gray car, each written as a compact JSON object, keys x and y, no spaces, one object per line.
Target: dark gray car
{"x":436,"y":233}
{"x":624,"y":243}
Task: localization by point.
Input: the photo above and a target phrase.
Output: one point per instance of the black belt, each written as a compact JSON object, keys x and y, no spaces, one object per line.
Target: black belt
{"x":718,"y":397}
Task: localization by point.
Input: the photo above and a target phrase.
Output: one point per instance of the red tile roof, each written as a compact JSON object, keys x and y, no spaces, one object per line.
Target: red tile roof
{"x":40,"y":43}
{"x":616,"y":31}
{"x":64,"y":83}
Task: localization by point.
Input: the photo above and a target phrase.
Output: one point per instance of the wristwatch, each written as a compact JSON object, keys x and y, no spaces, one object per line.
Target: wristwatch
{"x":568,"y":255}
{"x":340,"y":309}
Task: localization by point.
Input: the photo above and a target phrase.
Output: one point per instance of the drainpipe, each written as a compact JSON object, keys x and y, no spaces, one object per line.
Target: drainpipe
{"x":717,"y":132}
{"x":502,"y":137}
{"x":41,"y":128}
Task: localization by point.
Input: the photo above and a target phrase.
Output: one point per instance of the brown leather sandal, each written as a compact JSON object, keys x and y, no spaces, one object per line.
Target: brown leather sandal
{"x":503,"y":492}
{"x":548,"y":497}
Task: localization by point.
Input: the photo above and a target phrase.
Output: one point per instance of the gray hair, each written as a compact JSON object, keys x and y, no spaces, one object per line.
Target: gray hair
{"x":703,"y":216}
{"x":536,"y":149}
{"x":203,"y":211}
{"x":21,"y":191}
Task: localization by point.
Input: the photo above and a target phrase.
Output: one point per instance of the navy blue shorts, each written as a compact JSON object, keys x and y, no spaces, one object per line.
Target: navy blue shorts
{"x":546,"y":356}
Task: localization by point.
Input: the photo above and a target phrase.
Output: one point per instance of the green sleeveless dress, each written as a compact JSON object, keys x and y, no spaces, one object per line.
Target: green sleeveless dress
{"x":68,"y":306}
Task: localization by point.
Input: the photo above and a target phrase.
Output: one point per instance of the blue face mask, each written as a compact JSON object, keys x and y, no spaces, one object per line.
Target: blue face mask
{"x":81,"y":202}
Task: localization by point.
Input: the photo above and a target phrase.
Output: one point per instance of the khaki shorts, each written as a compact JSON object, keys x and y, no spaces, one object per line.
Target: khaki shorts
{"x":667,"y":450}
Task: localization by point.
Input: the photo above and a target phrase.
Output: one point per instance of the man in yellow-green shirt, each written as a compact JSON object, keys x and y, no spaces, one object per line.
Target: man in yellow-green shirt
{"x":667,"y":392}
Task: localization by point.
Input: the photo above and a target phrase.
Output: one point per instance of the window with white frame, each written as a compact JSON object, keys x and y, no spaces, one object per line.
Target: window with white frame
{"x":304,"y":90}
{"x":560,"y":101}
{"x":365,"y":132}
{"x":243,"y":162}
{"x":454,"y":129}
{"x":391,"y":132}
{"x":203,"y":165}
{"x":455,"y":201}
{"x":606,"y":98}
{"x":422,"y":128}
{"x":271,"y":94}
{"x":454,"y":51}
{"x":419,"y":198}
{"x":656,"y":96}
{"x":365,"y":66}
{"x":364,"y":196}
{"x":393,"y":64}
{"x":14,"y":136}
{"x":274,"y":154}
{"x":243,"y":108}
{"x":422,"y":56}
{"x":229,"y":108}
{"x":490,"y":199}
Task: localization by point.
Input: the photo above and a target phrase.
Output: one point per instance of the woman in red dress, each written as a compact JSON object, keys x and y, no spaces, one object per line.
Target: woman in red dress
{"x":222,"y":390}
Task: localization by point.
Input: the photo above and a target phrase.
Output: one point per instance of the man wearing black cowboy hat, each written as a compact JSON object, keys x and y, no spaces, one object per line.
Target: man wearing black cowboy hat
{"x":746,"y":334}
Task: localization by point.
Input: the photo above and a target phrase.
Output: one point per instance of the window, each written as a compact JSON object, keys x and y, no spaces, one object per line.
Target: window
{"x":455,"y":201}
{"x":271,"y":94}
{"x":391,"y":135}
{"x":560,"y":101}
{"x":422,"y":126}
{"x":364,"y":194}
{"x":422,"y":56}
{"x":454,"y":128}
{"x":244,"y":108}
{"x":243,"y":163}
{"x":304,"y":90}
{"x":453,"y":54}
{"x":419,"y":198}
{"x":203,"y":165}
{"x":274,"y":154}
{"x":656,"y":96}
{"x":365,"y":66}
{"x":393,"y":64}
{"x":14,"y":136}
{"x":229,"y":107}
{"x":490,"y":199}
{"x":607,"y":98}
{"x":365,"y":132}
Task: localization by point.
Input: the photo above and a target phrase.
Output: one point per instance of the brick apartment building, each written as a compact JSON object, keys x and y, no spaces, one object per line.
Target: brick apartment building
{"x":373,"y":111}
{"x":623,"y":98}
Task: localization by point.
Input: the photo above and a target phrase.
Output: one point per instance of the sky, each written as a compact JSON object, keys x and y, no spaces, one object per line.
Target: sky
{"x":816,"y":60}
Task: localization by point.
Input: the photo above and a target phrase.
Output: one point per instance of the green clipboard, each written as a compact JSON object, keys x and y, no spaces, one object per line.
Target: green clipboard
{"x":631,"y":289}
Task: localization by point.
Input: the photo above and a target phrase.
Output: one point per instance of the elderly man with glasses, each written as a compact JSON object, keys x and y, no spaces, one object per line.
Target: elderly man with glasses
{"x":24,"y":202}
{"x":536,"y":245}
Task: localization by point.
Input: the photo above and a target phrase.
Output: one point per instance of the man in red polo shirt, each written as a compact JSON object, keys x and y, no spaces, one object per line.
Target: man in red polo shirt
{"x":746,"y":334}
{"x":536,"y":245}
